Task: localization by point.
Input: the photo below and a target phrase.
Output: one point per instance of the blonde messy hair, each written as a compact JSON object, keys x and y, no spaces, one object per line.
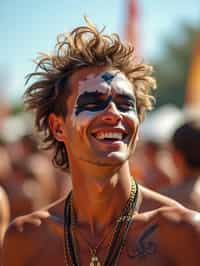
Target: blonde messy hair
{"x":83,"y":47}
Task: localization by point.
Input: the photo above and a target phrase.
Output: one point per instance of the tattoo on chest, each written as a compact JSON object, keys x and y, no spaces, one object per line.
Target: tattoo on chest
{"x":145,"y":245}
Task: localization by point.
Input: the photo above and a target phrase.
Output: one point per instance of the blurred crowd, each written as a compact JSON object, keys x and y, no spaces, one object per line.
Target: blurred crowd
{"x":167,"y":159}
{"x":28,"y":180}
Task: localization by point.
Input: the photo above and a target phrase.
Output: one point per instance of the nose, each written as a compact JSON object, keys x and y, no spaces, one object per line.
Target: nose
{"x":111,"y":114}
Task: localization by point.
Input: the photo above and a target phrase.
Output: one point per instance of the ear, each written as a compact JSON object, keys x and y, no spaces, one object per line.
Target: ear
{"x":56,"y":124}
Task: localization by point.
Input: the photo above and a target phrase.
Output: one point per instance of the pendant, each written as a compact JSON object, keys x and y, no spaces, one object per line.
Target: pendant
{"x":95,"y":261}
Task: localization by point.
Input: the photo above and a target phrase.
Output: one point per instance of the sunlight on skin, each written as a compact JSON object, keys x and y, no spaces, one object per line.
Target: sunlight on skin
{"x":196,"y":217}
{"x":119,"y":83}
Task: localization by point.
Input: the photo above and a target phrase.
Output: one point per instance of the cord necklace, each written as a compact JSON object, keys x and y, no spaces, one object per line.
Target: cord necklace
{"x":116,"y":243}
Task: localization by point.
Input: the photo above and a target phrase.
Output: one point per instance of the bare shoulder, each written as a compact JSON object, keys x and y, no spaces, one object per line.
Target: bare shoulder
{"x":169,"y":211}
{"x":171,"y":215}
{"x":37,"y":221}
{"x":183,"y":220}
{"x":23,"y":238}
{"x":180,"y":234}
{"x":166,"y":234}
{"x":27,"y":235}
{"x":151,"y":200}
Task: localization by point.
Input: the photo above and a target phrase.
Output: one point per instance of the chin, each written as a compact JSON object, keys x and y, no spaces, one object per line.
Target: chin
{"x":113,"y":159}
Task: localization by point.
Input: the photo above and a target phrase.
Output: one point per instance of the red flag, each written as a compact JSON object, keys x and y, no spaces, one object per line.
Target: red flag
{"x":192,"y":98}
{"x":131,"y":23}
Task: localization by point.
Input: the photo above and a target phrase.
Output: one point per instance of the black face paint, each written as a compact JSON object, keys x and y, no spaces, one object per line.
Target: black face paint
{"x":96,"y":101}
{"x":125,"y":103}
{"x":108,"y":77}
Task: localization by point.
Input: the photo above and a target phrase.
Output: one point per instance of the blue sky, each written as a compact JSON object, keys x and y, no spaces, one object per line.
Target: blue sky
{"x":29,"y":27}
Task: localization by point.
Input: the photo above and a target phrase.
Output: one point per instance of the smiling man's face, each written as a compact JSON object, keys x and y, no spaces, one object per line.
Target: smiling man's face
{"x":101,"y":123}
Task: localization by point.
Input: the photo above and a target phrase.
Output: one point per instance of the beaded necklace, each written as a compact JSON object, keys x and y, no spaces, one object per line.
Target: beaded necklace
{"x":95,"y":261}
{"x":118,"y":239}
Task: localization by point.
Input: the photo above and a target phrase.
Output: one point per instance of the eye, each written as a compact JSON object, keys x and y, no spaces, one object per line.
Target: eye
{"x":91,"y":105}
{"x":126,"y":106}
{"x":94,"y":104}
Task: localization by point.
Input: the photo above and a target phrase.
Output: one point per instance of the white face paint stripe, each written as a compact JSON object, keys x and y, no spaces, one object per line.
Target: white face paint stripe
{"x":94,"y":83}
{"x":121,"y":84}
{"x":90,"y":84}
{"x":83,"y":119}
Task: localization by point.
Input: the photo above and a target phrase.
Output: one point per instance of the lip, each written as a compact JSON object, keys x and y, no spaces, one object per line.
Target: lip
{"x":112,"y":142}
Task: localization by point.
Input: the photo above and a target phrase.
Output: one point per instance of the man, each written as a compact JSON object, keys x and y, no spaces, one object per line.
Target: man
{"x":185,"y":150}
{"x":89,"y":99}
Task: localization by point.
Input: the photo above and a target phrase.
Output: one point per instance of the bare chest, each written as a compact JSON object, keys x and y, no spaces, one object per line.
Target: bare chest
{"x":133,"y":254}
{"x":51,"y":254}
{"x":128,"y":257}
{"x":142,"y":248}
{"x":144,"y":254}
{"x":139,"y":250}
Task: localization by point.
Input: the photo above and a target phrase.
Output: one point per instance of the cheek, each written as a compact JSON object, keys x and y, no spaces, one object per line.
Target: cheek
{"x":83,"y":119}
{"x":132,"y":120}
{"x":132,"y":117}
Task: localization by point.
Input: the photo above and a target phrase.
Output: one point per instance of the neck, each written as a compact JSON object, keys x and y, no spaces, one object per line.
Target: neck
{"x":98,"y":190}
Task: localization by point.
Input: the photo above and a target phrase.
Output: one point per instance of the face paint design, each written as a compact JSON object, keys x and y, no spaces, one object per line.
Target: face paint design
{"x":95,"y":102}
{"x":108,"y":77}
{"x":92,"y":101}
{"x":95,"y":95}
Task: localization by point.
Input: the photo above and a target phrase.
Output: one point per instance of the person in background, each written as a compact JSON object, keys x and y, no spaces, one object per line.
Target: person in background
{"x":146,"y":165}
{"x":185,"y":151}
{"x":12,"y":175}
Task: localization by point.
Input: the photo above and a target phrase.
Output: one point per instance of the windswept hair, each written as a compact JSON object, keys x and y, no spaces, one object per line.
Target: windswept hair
{"x":85,"y":46}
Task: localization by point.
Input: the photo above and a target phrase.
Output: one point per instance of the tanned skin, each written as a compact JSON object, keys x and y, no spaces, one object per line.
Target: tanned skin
{"x":4,"y":216}
{"x":165,"y":234}
{"x":187,"y":191}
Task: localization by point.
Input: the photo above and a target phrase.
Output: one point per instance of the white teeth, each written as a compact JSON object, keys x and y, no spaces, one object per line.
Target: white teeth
{"x":109,"y":135}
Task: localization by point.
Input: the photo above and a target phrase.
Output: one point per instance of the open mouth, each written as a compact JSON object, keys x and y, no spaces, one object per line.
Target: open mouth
{"x":109,"y":136}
